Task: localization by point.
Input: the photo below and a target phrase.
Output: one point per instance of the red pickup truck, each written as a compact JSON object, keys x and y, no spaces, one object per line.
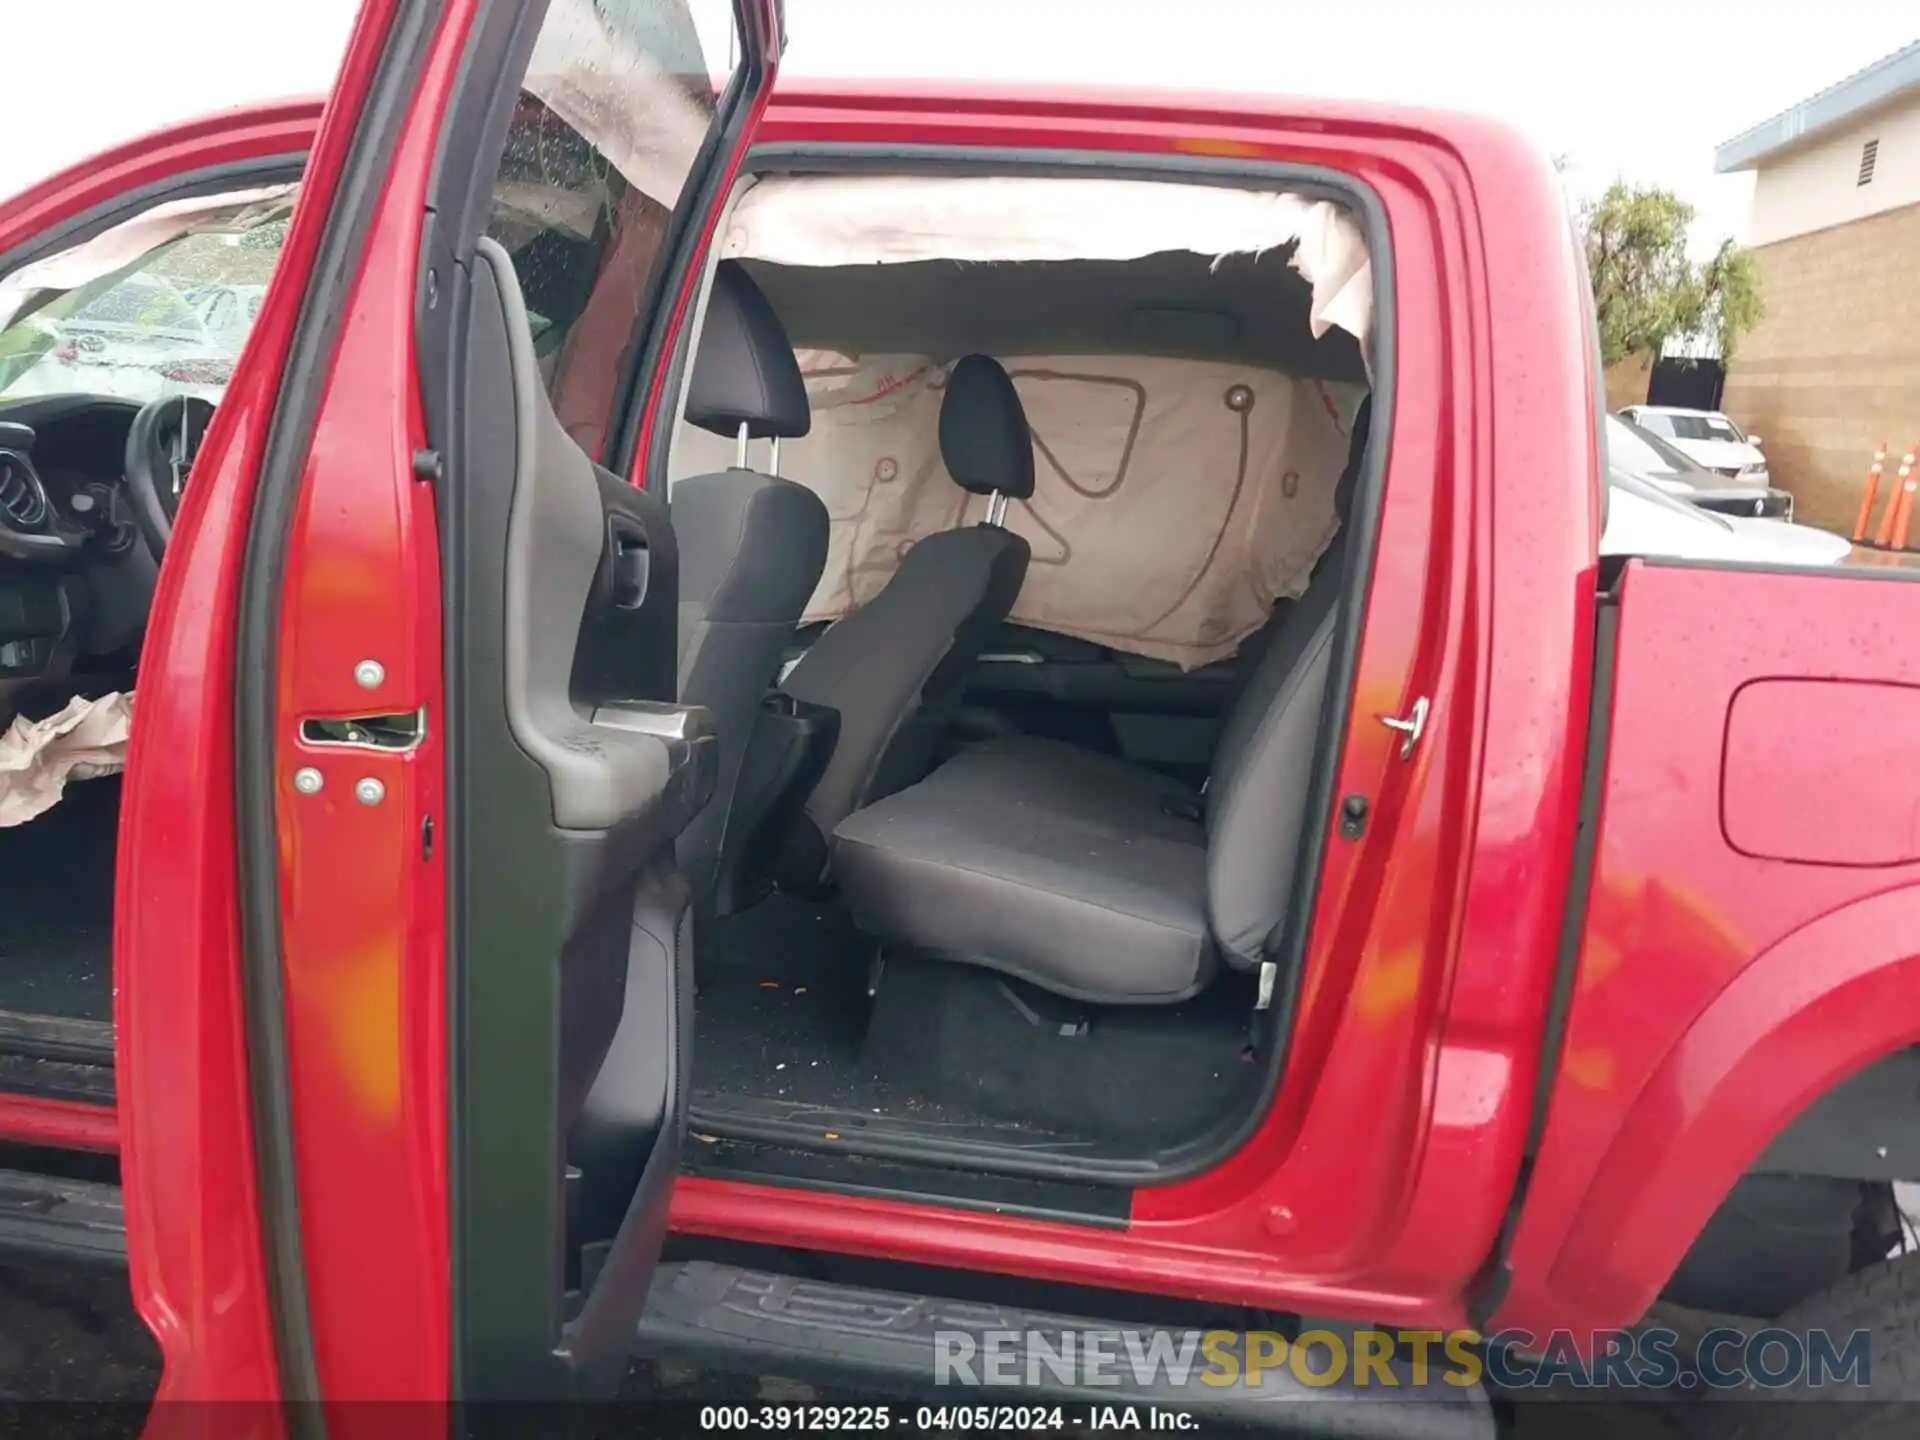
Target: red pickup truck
{"x":1158,"y":815}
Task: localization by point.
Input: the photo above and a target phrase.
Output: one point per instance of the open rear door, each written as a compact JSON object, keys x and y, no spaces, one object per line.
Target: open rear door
{"x":457,"y":763}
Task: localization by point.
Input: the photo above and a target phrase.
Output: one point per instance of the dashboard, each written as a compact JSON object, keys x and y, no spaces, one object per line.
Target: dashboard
{"x":76,"y":573}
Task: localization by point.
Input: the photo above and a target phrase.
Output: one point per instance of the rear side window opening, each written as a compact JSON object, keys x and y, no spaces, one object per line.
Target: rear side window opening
{"x":1190,"y":407}
{"x":1216,"y":390}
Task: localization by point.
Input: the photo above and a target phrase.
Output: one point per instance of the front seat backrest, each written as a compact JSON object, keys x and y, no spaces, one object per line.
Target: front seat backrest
{"x":1263,"y":766}
{"x":895,"y":667}
{"x":752,"y":546}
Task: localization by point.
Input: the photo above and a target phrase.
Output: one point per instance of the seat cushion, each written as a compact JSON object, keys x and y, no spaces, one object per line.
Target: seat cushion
{"x":1076,"y":871}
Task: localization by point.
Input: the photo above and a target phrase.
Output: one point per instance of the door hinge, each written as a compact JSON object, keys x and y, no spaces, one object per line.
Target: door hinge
{"x":427,"y":466}
{"x":366,"y":732}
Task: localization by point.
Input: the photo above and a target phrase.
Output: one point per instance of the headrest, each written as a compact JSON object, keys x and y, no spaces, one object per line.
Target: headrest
{"x":1356,"y":457}
{"x":983,"y":430}
{"x":745,"y":371}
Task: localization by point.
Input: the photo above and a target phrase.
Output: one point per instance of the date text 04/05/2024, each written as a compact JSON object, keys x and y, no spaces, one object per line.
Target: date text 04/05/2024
{"x":943,"y":1419}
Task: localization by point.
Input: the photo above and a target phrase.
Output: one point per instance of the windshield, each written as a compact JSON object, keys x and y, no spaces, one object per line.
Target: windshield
{"x":164,"y":319}
{"x":1704,"y":427}
{"x":1642,"y":453}
{"x":141,"y":301}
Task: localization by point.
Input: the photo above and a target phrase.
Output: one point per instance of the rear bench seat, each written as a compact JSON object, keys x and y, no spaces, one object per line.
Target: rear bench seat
{"x":1097,"y":878}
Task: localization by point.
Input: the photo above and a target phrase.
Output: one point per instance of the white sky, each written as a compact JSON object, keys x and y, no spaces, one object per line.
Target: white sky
{"x":1637,"y":88}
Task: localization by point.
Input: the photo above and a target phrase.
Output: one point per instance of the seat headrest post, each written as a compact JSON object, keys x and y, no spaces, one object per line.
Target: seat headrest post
{"x":997,"y":508}
{"x":773,"y":457}
{"x":740,"y":448}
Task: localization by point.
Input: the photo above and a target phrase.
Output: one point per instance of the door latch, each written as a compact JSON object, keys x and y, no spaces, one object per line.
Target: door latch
{"x":367,"y":732}
{"x":1411,"y":726}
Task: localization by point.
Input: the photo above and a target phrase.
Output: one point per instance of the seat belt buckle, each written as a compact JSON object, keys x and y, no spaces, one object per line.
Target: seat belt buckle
{"x":1269,"y":972}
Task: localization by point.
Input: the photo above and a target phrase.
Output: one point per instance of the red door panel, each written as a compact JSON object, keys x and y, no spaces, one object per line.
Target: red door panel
{"x":196,"y":1251}
{"x":289,"y":1046}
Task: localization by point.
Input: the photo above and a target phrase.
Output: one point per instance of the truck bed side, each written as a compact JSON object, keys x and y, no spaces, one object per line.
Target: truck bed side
{"x":1752,"y":930}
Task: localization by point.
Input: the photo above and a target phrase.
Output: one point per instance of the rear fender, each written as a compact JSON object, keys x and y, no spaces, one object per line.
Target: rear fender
{"x":1818,"y":1006}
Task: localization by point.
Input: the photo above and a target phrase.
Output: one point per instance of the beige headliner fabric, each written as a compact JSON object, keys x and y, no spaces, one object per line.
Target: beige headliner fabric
{"x":1153,"y":530}
{"x":893,"y":219}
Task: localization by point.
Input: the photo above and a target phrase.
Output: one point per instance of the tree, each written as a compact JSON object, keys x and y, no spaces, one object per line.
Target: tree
{"x":1730,"y":300}
{"x":1645,"y":289}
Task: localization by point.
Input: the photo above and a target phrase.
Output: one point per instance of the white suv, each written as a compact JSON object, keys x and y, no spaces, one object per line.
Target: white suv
{"x":1708,"y":437}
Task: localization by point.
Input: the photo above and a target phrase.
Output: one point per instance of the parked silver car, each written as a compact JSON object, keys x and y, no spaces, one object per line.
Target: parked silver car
{"x":1644,"y":519}
{"x":1638,"y":451}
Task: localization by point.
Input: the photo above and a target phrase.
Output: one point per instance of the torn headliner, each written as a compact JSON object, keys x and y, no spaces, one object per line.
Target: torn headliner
{"x":1250,"y":309}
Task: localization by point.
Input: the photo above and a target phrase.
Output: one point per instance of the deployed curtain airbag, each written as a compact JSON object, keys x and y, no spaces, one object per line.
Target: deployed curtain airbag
{"x":1174,"y":501}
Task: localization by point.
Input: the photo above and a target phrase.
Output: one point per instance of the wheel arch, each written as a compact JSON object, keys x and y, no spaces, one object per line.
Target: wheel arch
{"x":1818,"y":1024}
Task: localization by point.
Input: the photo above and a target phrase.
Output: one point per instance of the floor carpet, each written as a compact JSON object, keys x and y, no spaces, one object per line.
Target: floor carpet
{"x":56,"y":906}
{"x":782,"y":1013}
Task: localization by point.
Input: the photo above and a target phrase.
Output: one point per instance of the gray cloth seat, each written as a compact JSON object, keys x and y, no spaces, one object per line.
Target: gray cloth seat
{"x":1097,"y":878}
{"x":894,"y":669}
{"x":1050,"y":862}
{"x":752,"y":546}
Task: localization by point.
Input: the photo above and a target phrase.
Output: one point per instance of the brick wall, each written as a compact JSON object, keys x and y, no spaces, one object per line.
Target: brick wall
{"x":1835,"y":367}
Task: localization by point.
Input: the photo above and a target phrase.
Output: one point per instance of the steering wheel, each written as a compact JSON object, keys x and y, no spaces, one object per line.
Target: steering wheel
{"x":160,"y":449}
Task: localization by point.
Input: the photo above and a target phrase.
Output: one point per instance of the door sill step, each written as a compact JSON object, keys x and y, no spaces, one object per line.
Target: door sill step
{"x":761,"y":1323}
{"x":49,"y":1217}
{"x":68,"y":1081}
{"x":56,"y":1037}
{"x":811,"y":1330}
{"x":984,"y":1148}
{"x":710,"y":1157}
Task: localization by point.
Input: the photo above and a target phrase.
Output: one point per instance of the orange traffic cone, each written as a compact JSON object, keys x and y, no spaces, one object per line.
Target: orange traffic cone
{"x":1873,"y":492}
{"x":1909,"y":483}
{"x":1883,"y":537}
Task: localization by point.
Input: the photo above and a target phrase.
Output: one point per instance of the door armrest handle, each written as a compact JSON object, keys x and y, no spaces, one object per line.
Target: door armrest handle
{"x":675,"y":723}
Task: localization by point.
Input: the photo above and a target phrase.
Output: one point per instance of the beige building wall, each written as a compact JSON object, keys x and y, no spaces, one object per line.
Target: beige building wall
{"x":1819,"y":187}
{"x":1834,"y":368}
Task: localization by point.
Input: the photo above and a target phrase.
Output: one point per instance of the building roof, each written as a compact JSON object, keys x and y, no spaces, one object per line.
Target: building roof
{"x":1887,"y":79}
